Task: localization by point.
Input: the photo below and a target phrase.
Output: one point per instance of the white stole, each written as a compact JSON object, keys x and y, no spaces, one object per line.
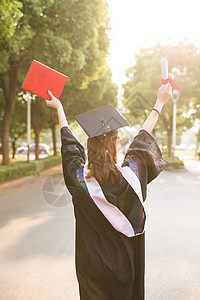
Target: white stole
{"x":116,"y":218}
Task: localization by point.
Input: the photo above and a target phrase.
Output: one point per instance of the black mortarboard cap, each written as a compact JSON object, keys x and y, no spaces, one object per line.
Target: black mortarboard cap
{"x":101,"y":121}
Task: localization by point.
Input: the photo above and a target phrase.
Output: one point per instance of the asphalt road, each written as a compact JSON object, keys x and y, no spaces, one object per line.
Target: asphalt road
{"x":37,"y":239}
{"x":173,"y":235}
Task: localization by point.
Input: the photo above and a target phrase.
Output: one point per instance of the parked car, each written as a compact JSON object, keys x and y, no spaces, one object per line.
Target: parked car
{"x":192,"y":147}
{"x":182,"y":146}
{"x":43,"y":149}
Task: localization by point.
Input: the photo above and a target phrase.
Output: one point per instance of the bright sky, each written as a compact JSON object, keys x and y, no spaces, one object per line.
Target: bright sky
{"x":144,"y":23}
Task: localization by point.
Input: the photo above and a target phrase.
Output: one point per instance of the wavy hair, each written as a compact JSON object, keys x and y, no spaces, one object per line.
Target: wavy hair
{"x":102,"y":157}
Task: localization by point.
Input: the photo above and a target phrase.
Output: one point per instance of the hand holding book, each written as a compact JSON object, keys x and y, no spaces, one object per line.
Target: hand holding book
{"x":54,"y":103}
{"x":41,"y":78}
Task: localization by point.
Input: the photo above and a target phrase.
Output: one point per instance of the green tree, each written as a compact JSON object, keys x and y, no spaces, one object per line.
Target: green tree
{"x":18,"y":125}
{"x":10,"y":13}
{"x":195,"y":105}
{"x":98,"y":93}
{"x":70,"y":36}
{"x":140,"y":91}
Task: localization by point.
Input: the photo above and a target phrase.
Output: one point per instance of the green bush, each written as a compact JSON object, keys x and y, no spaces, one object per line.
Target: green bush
{"x":173,"y":164}
{"x":17,"y":170}
{"x":21,"y":169}
{"x":47,"y":162}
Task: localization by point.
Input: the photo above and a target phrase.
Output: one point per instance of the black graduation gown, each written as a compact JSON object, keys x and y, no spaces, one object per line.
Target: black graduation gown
{"x":109,"y":265}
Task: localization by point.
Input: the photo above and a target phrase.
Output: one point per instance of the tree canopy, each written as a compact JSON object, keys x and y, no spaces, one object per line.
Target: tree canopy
{"x":69,"y":36}
{"x":140,"y":90}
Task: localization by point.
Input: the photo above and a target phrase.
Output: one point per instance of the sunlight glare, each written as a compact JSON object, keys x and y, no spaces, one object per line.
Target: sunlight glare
{"x":144,"y":23}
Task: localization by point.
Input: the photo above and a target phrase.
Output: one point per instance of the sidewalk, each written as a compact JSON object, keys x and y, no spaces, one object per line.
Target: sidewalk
{"x":190,"y":164}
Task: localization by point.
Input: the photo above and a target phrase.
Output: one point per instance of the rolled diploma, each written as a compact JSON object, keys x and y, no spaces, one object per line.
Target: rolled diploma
{"x":164,"y":71}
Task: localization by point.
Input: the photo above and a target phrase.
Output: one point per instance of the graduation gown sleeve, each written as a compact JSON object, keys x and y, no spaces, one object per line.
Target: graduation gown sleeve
{"x":73,"y":156}
{"x":146,"y":153}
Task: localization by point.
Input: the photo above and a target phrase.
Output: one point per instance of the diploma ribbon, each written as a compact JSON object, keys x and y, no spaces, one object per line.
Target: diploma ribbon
{"x":165,"y":81}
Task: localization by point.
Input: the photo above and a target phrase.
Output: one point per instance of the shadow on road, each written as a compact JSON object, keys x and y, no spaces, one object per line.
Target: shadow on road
{"x":38,"y":219}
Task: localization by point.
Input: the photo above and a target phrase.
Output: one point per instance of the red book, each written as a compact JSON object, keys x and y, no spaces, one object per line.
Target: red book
{"x":41,"y":78}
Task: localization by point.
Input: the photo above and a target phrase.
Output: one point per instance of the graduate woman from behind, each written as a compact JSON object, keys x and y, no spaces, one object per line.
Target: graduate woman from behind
{"x":108,"y":199}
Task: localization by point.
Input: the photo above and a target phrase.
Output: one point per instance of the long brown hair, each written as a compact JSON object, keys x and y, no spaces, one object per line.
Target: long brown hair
{"x":102,"y":157}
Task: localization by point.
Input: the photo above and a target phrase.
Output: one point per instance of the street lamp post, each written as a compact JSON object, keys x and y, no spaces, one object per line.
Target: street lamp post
{"x":27,"y":97}
{"x":175,"y":98}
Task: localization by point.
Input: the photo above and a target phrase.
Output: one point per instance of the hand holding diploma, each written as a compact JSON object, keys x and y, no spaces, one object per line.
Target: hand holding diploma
{"x":165,"y":78}
{"x":163,"y":96}
{"x":164,"y":73}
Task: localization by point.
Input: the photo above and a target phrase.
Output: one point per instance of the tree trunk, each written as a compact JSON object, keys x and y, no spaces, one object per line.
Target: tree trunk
{"x":53,"y":130}
{"x":13,"y":147}
{"x":36,"y":126}
{"x":37,"y":136}
{"x":197,"y":138}
{"x":5,"y":136}
{"x":9,"y":97}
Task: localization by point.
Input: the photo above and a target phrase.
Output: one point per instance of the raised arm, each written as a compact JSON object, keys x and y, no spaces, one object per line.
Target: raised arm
{"x":163,"y":97}
{"x":73,"y":153}
{"x":55,"y":103}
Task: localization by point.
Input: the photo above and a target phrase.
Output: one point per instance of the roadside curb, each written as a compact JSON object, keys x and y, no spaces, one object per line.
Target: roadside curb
{"x":176,"y":170}
{"x":8,"y":185}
